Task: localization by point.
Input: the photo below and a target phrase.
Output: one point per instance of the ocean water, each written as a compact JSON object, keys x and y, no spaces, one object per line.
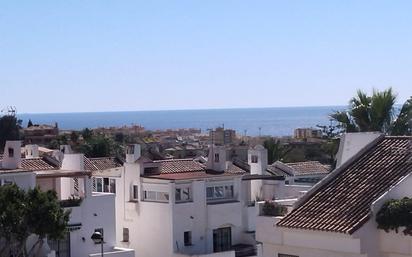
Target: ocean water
{"x":271,"y":121}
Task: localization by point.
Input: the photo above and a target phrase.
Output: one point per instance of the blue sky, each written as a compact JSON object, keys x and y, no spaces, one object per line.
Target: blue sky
{"x":78,"y":56}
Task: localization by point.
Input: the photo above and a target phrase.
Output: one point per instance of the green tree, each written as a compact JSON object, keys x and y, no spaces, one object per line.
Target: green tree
{"x":276,"y":150}
{"x":29,"y":124}
{"x":9,"y":129}
{"x":97,"y":146}
{"x":23,"y":213}
{"x":87,"y":134}
{"x":375,"y":113}
{"x":46,"y":217}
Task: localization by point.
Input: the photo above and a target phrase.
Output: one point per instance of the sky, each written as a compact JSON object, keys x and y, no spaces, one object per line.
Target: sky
{"x":100,"y":55}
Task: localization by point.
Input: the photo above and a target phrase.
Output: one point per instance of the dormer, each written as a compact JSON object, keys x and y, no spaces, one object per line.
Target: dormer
{"x":31,"y":151}
{"x":217,"y":158}
{"x":258,"y":160}
{"x":12,"y":155}
{"x":133,"y":153}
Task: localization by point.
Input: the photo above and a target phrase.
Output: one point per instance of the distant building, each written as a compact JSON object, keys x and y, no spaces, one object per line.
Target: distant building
{"x":221,"y":136}
{"x":40,"y":134}
{"x":305,"y":133}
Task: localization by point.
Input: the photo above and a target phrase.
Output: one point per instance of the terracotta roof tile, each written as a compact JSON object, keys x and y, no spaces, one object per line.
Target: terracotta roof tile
{"x":309,"y":167}
{"x":189,"y":169}
{"x":36,"y":164}
{"x":102,"y":163}
{"x":342,"y":204}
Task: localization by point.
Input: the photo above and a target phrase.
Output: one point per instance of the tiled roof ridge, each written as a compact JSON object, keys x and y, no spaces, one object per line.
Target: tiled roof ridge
{"x":174,"y":160}
{"x":381,"y":183}
{"x":337,"y":171}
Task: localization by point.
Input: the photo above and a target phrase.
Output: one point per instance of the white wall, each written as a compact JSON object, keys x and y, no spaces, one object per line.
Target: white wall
{"x":25,"y":180}
{"x":94,"y":212}
{"x":351,"y":143}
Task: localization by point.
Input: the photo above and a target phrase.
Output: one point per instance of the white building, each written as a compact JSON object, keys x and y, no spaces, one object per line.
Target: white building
{"x":70,"y":178}
{"x":336,"y":218}
{"x":300,"y":173}
{"x":182,"y":207}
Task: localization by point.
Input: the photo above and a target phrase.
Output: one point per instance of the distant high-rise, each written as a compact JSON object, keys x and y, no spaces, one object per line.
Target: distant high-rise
{"x":221,"y":136}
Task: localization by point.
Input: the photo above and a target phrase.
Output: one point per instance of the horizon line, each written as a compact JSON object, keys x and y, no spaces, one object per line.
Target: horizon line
{"x":195,"y":109}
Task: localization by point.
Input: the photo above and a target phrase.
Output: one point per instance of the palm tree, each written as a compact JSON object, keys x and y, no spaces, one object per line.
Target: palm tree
{"x":376,"y":113}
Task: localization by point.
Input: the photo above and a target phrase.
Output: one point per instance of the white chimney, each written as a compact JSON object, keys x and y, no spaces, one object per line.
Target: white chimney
{"x":217,"y":158}
{"x":351,"y":143}
{"x":12,"y":155}
{"x":258,"y":160}
{"x":133,"y":153}
{"x":31,"y":151}
{"x":73,"y":162}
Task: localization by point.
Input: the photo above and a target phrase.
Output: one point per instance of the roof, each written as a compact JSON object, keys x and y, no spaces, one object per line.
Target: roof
{"x":342,"y":202}
{"x":36,"y":164}
{"x":102,"y":163}
{"x":299,"y":168}
{"x":177,"y":169}
{"x":49,"y":163}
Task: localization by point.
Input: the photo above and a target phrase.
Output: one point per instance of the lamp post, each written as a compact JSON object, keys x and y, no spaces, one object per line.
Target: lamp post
{"x":97,"y":238}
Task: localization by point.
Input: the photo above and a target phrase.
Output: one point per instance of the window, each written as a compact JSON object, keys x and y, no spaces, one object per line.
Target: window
{"x":106,"y":185}
{"x":183,"y":194}
{"x":219,"y":192}
{"x":188,"y":238}
{"x":112,"y":184}
{"x":11,"y":152}
{"x":155,"y":196}
{"x":135,"y":193}
{"x":216,"y":157}
{"x":125,"y":235}
{"x":254,"y":159}
{"x":99,"y":184}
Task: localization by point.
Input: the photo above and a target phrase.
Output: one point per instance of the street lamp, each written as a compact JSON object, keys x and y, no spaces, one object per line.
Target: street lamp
{"x":97,"y":238}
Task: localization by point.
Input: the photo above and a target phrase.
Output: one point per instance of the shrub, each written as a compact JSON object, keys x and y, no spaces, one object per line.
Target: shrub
{"x":273,"y":209}
{"x":395,"y":214}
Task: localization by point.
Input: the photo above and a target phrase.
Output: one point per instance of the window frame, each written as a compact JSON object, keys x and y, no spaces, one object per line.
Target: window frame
{"x":183,"y":194}
{"x":220,"y":192}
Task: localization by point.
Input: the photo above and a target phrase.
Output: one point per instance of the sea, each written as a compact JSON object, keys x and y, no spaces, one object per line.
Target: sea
{"x":278,"y":121}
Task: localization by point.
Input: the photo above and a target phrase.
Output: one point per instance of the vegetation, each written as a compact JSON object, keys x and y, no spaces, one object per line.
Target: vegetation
{"x":376,"y":113}
{"x":23,"y":213}
{"x":273,"y":209}
{"x":395,"y":214}
{"x":9,"y":129}
{"x":276,"y":150}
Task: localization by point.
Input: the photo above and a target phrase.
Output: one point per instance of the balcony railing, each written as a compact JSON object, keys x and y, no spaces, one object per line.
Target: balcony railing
{"x":243,"y":250}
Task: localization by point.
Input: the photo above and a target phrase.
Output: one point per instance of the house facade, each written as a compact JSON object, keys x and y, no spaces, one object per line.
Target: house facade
{"x":70,"y":178}
{"x":182,"y":207}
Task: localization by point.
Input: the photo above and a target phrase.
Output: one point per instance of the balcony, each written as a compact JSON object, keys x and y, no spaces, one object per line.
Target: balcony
{"x":244,"y":250}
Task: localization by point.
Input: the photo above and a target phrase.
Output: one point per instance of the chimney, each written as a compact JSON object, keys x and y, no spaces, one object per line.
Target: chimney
{"x":217,"y":158}
{"x":351,"y":143}
{"x":74,"y":162}
{"x":12,"y":155}
{"x":258,"y":160}
{"x":133,"y":153}
{"x":31,"y":151}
